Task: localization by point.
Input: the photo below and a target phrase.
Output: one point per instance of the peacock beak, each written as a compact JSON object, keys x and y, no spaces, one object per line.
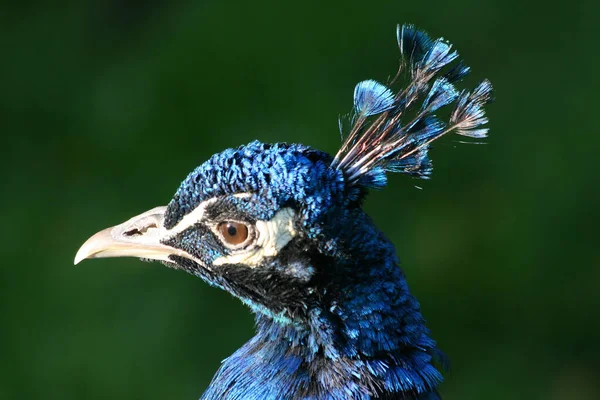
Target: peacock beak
{"x":138,"y":237}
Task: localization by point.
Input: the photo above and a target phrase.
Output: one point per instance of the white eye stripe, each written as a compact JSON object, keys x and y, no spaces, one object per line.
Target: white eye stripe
{"x":196,"y":215}
{"x":268,"y":237}
{"x":190,"y":219}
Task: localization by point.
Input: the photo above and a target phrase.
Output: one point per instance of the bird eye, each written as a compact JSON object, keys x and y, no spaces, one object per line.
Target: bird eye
{"x":233,"y":233}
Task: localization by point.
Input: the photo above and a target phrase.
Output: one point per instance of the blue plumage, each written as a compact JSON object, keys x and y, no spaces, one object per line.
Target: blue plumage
{"x":281,"y":227}
{"x":469,"y":114}
{"x":371,"y":98}
{"x":398,"y":139}
{"x":441,"y":94}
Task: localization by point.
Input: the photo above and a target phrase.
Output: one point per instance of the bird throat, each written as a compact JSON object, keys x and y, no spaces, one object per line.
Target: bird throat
{"x":353,"y":350}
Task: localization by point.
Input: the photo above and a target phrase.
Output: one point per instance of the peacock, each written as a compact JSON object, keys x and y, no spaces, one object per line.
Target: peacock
{"x":281,"y":227}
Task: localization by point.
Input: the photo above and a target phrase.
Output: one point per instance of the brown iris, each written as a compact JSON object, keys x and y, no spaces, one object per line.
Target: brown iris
{"x":233,"y":233}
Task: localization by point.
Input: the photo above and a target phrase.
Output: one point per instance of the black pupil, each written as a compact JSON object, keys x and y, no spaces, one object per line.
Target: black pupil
{"x":231,"y":230}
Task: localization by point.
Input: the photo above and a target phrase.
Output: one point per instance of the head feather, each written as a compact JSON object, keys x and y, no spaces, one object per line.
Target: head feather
{"x":392,"y":131}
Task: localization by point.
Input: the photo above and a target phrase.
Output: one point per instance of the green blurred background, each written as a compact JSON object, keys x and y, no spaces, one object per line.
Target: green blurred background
{"x":105,"y":106}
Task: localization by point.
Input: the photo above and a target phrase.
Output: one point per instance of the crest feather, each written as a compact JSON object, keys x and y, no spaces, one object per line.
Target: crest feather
{"x":392,"y":131}
{"x":371,"y":97}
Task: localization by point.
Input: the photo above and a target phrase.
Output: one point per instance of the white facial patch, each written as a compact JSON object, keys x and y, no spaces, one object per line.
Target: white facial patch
{"x":272,"y":236}
{"x":197,"y":214}
{"x":190,"y":219}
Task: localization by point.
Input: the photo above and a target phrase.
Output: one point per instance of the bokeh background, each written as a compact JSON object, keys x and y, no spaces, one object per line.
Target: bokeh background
{"x":105,"y":106}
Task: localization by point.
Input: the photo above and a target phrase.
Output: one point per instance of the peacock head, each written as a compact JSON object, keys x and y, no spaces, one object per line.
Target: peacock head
{"x":260,"y":221}
{"x":276,"y":225}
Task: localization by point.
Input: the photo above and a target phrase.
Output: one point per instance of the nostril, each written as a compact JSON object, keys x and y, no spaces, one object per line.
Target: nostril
{"x":132,"y":232}
{"x":139,"y":231}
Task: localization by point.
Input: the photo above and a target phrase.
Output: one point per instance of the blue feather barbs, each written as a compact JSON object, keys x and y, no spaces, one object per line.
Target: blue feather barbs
{"x":394,"y":140}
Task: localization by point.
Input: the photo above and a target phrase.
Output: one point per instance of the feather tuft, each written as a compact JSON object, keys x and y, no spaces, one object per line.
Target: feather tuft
{"x":469,"y":114}
{"x":391,"y":131}
{"x":457,"y":73}
{"x":439,"y":55}
{"x":371,"y":98}
{"x":417,"y":164}
{"x":441,"y":94}
{"x":412,"y":42}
